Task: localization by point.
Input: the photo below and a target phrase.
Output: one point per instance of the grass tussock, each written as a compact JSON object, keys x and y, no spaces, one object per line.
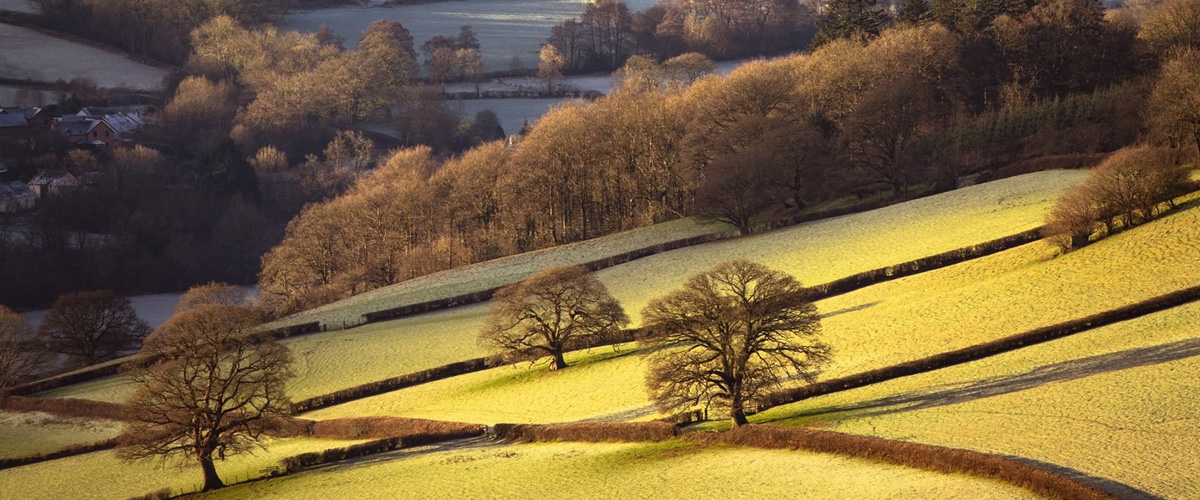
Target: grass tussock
{"x":916,"y":455}
{"x":594,"y":432}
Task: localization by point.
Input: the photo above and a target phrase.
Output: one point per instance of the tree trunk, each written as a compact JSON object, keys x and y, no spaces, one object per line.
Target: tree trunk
{"x":738,"y":416}
{"x":558,"y":363}
{"x":211,"y":480}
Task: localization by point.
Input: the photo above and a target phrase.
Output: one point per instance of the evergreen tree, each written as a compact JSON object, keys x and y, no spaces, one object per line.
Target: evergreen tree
{"x":225,"y":170}
{"x":913,"y":13}
{"x":947,"y":13}
{"x":854,"y":19}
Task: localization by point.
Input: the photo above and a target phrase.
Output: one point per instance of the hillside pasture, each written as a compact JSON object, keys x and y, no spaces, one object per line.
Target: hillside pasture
{"x":32,"y":433}
{"x":31,"y":55}
{"x":816,"y":252}
{"x":600,"y":384}
{"x":103,"y":476}
{"x":475,"y":469}
{"x":825,"y":250}
{"x":22,"y":6}
{"x":1117,"y":403}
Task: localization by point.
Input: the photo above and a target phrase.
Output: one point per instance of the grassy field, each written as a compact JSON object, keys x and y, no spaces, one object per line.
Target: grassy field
{"x":906,"y":319}
{"x":503,"y":271}
{"x":31,"y":55}
{"x":102,"y":475}
{"x":1118,"y":402}
{"x":626,"y":471}
{"x":829,"y":249}
{"x":612,"y":381}
{"x":816,"y":252}
{"x":29,"y":433}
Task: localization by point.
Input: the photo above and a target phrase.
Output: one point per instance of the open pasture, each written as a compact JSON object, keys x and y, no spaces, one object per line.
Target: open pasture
{"x":476,"y":469}
{"x":1118,"y":403}
{"x":31,"y":433}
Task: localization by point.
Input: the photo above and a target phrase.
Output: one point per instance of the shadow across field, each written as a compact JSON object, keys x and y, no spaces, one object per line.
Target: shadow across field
{"x":1007,"y":384}
{"x":406,"y":453}
{"x":849,"y":310}
{"x":1119,"y":490}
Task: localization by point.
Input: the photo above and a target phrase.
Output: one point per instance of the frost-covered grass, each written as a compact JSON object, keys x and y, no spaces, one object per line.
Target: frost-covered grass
{"x":502,"y":271}
{"x":34,"y":56}
{"x":600,"y":384}
{"x":153,"y":309}
{"x":30,"y":433}
{"x":1117,"y":402}
{"x":829,"y":249}
{"x":815,"y":252}
{"x":101,"y":475}
{"x":625,"y":471}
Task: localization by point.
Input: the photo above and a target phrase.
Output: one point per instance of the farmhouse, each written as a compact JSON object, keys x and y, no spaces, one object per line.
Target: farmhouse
{"x":52,"y":183}
{"x":125,"y":121}
{"x":23,"y":122}
{"x":15,"y":196}
{"x":87,"y":132}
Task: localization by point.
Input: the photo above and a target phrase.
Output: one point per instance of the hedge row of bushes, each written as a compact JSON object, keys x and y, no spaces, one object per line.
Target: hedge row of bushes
{"x":79,"y":449}
{"x":306,"y":460}
{"x":912,"y":267}
{"x":980,"y":351}
{"x":372,"y":428}
{"x":916,"y":455}
{"x":595,"y":265}
{"x":112,"y":368}
{"x":66,"y":407}
{"x":594,"y":432}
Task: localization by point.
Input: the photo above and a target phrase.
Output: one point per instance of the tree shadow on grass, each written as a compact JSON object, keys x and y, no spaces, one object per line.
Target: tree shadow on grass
{"x":530,"y":371}
{"x":480,"y":443}
{"x":1119,"y":490}
{"x":849,"y":310}
{"x":1007,"y":384}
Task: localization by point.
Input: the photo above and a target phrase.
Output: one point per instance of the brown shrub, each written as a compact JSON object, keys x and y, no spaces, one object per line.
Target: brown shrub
{"x":921,"y":456}
{"x":594,"y":432}
{"x":67,"y":407}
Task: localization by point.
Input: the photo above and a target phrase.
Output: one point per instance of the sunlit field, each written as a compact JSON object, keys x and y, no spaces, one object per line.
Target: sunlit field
{"x":601,"y":384}
{"x":30,"y":433}
{"x":1117,"y":402}
{"x":815,"y":252}
{"x":626,"y":471}
{"x":101,"y":475}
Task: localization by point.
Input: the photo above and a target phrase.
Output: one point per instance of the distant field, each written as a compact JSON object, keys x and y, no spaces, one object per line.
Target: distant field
{"x":1118,"y":402}
{"x":600,"y":384}
{"x":29,"y":433}
{"x":502,"y":271}
{"x":103,"y":476}
{"x":625,"y":471}
{"x":815,"y":252}
{"x":30,"y":55}
{"x":22,"y":6}
{"x":505,"y":28}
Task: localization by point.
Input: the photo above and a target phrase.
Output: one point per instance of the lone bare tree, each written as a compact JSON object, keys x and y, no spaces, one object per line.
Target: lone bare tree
{"x":92,"y":326}
{"x":214,"y":390}
{"x":20,"y":351}
{"x":550,"y":66}
{"x":727,"y":335}
{"x":554,"y":311}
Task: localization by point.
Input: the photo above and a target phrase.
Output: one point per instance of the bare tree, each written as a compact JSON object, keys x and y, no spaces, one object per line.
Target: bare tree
{"x":211,"y":293}
{"x":21,"y":354}
{"x":550,"y":66}
{"x":1174,"y":113}
{"x":1073,"y":220}
{"x":213,"y":392}
{"x":554,"y":311}
{"x":92,"y":326}
{"x":728,"y":335}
